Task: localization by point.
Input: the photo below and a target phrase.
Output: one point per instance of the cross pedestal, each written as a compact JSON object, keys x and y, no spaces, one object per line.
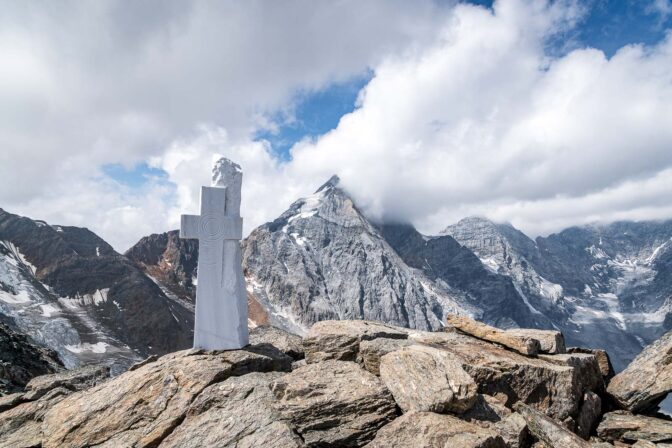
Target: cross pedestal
{"x":221,"y":298}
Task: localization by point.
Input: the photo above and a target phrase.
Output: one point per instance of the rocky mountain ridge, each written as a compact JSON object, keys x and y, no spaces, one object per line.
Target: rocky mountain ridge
{"x":354,"y":383}
{"x":71,"y":292}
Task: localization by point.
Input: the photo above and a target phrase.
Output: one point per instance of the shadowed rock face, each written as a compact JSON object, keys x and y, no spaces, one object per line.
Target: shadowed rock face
{"x":96,"y":300}
{"x":21,"y":360}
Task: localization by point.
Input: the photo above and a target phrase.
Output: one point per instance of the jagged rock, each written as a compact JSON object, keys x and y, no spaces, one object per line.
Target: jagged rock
{"x":589,"y":414}
{"x":513,"y":429}
{"x":74,"y":380}
{"x":323,"y":259}
{"x":622,"y":426}
{"x":288,"y":343}
{"x":427,"y":379}
{"x":21,"y":359}
{"x":125,"y":309}
{"x":549,"y":431}
{"x":602,"y":359}
{"x":585,"y":365}
{"x":339,"y":340}
{"x":21,"y":426}
{"x":648,"y":378}
{"x":430,"y":430}
{"x":550,"y":341}
{"x":334,"y":403}
{"x":522,"y":344}
{"x":143,"y":406}
{"x":370,"y":352}
{"x":236,"y":413}
{"x":553,"y":388}
{"x":644,"y":444}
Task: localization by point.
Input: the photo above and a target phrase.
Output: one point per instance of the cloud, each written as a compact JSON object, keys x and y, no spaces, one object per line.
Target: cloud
{"x":84,"y":84}
{"x":485,"y":122}
{"x":469,"y":111}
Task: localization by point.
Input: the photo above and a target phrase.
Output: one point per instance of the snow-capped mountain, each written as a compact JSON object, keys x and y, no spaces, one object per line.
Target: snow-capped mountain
{"x":322,"y":259}
{"x":607,"y":286}
{"x":68,"y":290}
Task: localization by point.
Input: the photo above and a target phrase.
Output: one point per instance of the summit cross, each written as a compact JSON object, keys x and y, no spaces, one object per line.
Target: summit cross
{"x":221,"y":298}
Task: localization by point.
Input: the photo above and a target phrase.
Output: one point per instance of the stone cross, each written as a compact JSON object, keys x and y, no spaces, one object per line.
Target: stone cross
{"x":221,"y":298}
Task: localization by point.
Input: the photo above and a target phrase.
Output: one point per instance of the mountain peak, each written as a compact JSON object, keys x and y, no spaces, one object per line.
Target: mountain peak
{"x":333,"y":182}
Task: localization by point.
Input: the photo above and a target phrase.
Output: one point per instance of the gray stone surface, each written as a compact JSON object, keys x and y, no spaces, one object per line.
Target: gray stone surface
{"x":550,"y":341}
{"x":549,"y":431}
{"x":334,"y":403}
{"x":430,"y":430}
{"x":523,"y":343}
{"x":371,"y":351}
{"x":221,"y":297}
{"x":288,"y":343}
{"x":141,"y":407}
{"x":553,"y":388}
{"x":428,"y":379}
{"x":335,"y":339}
{"x":236,"y":413}
{"x":622,"y":426}
{"x":647,"y":379}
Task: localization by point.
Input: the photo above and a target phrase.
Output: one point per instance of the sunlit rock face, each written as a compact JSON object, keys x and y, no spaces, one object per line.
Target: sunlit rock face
{"x":605,"y":286}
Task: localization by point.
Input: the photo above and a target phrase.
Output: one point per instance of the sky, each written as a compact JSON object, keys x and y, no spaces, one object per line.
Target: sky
{"x":544,"y":114}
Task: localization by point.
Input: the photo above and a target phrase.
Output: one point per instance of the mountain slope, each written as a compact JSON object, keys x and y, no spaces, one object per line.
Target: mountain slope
{"x":443,"y":259}
{"x":322,"y":259}
{"x":604,"y":286}
{"x":79,"y":297}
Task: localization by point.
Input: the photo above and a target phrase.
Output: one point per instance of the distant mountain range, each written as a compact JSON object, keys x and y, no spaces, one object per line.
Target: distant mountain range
{"x":604,"y":286}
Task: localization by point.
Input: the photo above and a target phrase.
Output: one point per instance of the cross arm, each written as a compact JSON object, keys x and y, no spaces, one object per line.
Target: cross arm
{"x":189,"y":226}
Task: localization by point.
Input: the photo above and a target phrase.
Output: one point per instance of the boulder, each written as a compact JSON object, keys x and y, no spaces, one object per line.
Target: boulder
{"x":370,"y":352}
{"x":288,"y":343}
{"x":585,"y":365}
{"x":644,"y":444}
{"x":424,"y":378}
{"x":551,"y":342}
{"x":334,"y":403}
{"x":602,"y":360}
{"x":647,"y":379}
{"x":552,"y":433}
{"x":141,"y":407}
{"x":589,"y":414}
{"x":525,"y":345}
{"x":236,"y":413}
{"x":430,"y":430}
{"x":622,"y":426}
{"x":552,"y":387}
{"x":339,"y":339}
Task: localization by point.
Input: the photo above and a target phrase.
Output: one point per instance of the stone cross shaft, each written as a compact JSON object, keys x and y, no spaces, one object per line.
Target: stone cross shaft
{"x":221,"y":298}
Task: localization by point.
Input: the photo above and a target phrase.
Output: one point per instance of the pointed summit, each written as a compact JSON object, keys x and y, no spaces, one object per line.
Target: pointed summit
{"x":331,"y":183}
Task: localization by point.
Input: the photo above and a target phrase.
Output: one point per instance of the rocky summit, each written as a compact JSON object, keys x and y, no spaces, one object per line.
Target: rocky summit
{"x":346,"y":384}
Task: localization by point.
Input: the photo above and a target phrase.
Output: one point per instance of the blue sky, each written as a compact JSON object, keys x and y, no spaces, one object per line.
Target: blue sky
{"x":608,"y":25}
